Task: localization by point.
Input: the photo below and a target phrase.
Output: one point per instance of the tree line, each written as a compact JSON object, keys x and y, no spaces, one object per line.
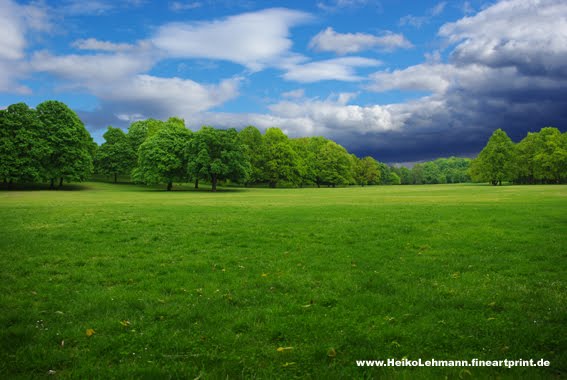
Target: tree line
{"x":154,"y":151}
{"x":51,"y":144}
{"x":541,"y":157}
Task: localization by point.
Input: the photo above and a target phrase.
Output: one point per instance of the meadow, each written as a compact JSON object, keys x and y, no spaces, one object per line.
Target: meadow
{"x":125,"y":281}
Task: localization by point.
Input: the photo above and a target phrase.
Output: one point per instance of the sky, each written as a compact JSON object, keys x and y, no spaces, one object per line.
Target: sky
{"x":402,"y":81}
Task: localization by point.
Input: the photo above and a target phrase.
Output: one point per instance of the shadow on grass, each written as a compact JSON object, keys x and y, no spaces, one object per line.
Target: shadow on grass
{"x":42,"y":187}
{"x":191,"y":190}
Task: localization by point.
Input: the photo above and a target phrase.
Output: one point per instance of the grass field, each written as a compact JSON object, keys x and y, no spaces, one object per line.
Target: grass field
{"x":126,"y":281}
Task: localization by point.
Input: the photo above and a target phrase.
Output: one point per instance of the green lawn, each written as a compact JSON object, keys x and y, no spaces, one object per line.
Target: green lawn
{"x":192,"y":284}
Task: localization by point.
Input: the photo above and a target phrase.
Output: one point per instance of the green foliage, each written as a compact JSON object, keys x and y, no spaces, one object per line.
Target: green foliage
{"x":335,"y":164}
{"x":162,"y":158}
{"x":315,"y":165}
{"x":22,"y":144}
{"x":251,"y":138}
{"x":216,"y":154}
{"x":404,"y":174}
{"x":306,"y":160}
{"x":367,"y":171}
{"x":279,"y":161}
{"x":525,"y":158}
{"x":453,"y":169}
{"x":385,"y":171}
{"x":496,"y":162}
{"x":394,"y":179}
{"x":116,"y":155}
{"x":550,"y":156}
{"x":69,"y":143}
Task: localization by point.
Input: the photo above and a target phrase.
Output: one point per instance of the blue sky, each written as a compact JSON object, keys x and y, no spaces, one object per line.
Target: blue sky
{"x":399,"y":80}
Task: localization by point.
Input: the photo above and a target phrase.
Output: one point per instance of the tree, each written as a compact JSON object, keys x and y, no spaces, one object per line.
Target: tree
{"x":162,"y":158}
{"x":550,"y":159}
{"x":453,"y":169}
{"x":69,"y":144}
{"x":404,"y":174}
{"x":306,"y":160}
{"x":385,"y":174}
{"x":22,"y":144}
{"x":217,"y":154}
{"x":431,"y":173}
{"x":279,"y":161}
{"x":314,"y":159}
{"x":394,"y":179}
{"x":336,"y":164}
{"x":496,"y":162}
{"x":525,"y":158}
{"x":251,"y":138}
{"x":116,"y":155}
{"x":367,"y":171}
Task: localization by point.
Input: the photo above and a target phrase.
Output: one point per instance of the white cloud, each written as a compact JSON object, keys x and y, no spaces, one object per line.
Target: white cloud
{"x":13,"y":40}
{"x":17,"y":24}
{"x":419,"y":21}
{"x":345,"y":43}
{"x":178,"y":6}
{"x":97,"y":45}
{"x":332,"y":117}
{"x":163,"y":97}
{"x":81,"y":7}
{"x":250,"y":39}
{"x":423,"y":77}
{"x":438,"y":9}
{"x":530,"y":35}
{"x":91,"y":70}
{"x":336,"y":5}
{"x":294,"y":94}
{"x":341,"y":69}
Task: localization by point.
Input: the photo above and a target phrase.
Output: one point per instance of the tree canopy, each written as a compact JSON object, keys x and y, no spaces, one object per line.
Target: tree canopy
{"x":162,"y":157}
{"x":216,"y":154}
{"x":115,"y":156}
{"x":496,"y":162}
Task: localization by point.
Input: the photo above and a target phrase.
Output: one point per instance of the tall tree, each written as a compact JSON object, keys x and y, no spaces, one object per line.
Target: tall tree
{"x":279,"y":161}
{"x":496,"y":162}
{"x":404,"y":174}
{"x":316,"y":165}
{"x":385,"y":174}
{"x":525,"y":158}
{"x":367,"y":171}
{"x":336,"y":163}
{"x":550,"y":158}
{"x":306,"y":160}
{"x":68,"y":141}
{"x":251,"y":138}
{"x":217,"y":154}
{"x":22,"y":144}
{"x":116,"y":155}
{"x":162,"y":158}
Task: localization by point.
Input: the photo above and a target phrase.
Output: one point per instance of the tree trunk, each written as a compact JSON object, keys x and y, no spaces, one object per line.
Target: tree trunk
{"x":273,"y":184}
{"x":214,"y":182}
{"x":115,"y":178}
{"x":52,"y":184}
{"x":169,"y":185}
{"x":196,"y":183}
{"x":333,"y":185}
{"x":499,"y":182}
{"x":60,"y":182}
